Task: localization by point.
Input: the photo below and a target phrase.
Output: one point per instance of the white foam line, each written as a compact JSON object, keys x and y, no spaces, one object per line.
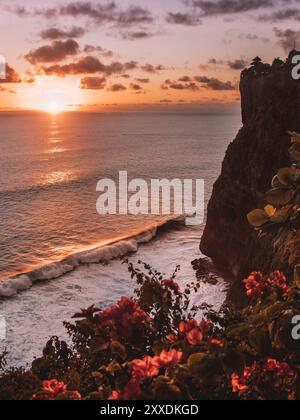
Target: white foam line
{"x":102,"y":254}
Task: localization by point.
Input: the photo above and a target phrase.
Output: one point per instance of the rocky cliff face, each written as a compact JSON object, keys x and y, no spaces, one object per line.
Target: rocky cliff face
{"x":270,"y":107}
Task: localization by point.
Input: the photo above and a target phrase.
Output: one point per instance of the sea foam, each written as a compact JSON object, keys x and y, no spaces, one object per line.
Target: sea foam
{"x":97,"y":255}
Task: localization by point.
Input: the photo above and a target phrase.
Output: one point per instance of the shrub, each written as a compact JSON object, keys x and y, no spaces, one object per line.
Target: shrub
{"x":158,"y":346}
{"x":283,"y":200}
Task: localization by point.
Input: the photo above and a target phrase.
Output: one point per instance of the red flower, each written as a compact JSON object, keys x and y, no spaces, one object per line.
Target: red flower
{"x":194,"y":337}
{"x":53,"y":389}
{"x":149,"y":367}
{"x":278,"y":279}
{"x":116,"y":395}
{"x":269,"y":379}
{"x":281,"y":369}
{"x":215,"y":342}
{"x":205,"y":327}
{"x":126,"y":316}
{"x":185,"y":327}
{"x":146,"y":368}
{"x":255,"y":285}
{"x":131,"y":392}
{"x":240,"y":383}
{"x":171,"y":358}
{"x":172,"y":285}
{"x":172,"y":338}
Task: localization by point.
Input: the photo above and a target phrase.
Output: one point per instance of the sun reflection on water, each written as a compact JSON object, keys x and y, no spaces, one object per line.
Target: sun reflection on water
{"x":56,"y":150}
{"x":58,"y":177}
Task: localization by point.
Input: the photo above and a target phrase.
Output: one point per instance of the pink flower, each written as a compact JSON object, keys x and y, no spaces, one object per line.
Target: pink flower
{"x":204,"y":327}
{"x":278,"y":279}
{"x":195,"y":337}
{"x":126,"y":316}
{"x":264,"y":380}
{"x":215,"y":342}
{"x":53,"y":389}
{"x":170,"y":358}
{"x":146,"y":368}
{"x":115,"y":396}
{"x":185,"y":327}
{"x":172,"y":338}
{"x":255,"y":285}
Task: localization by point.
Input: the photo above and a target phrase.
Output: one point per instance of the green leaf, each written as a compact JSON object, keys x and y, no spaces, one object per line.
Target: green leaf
{"x":196,"y":359}
{"x":287,"y":176}
{"x":204,"y":365}
{"x":259,"y":339}
{"x":257,"y":218}
{"x":279,"y":196}
{"x":281,"y":216}
{"x":270,"y":210}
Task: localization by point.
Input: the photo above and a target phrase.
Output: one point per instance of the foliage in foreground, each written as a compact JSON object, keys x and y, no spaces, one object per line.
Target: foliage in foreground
{"x":155,"y":346}
{"x":283,"y":208}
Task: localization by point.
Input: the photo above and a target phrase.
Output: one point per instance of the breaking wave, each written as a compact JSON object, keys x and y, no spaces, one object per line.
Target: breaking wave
{"x":101,"y":254}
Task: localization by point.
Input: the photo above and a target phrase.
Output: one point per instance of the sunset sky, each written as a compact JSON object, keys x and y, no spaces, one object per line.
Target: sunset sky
{"x":137,"y":54}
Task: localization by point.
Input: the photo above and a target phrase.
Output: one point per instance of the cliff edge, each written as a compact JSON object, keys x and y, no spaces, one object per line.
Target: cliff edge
{"x":270,"y":101}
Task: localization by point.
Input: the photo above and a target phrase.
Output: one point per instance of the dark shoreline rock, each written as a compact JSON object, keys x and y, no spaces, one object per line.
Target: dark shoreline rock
{"x":270,"y":108}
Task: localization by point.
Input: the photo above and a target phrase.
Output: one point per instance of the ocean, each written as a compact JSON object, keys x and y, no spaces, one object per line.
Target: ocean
{"x":49,"y":169}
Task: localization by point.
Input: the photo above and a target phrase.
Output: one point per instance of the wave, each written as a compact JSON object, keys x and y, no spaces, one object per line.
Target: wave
{"x":117,"y":248}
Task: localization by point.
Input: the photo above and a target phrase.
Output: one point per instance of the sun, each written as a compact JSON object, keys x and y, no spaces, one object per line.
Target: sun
{"x":54,"y":108}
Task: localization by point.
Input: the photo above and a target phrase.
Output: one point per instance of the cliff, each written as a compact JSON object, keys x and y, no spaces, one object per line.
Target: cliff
{"x":270,"y":101}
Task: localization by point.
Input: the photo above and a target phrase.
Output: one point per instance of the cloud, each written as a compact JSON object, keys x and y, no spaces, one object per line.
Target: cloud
{"x":57,"y":51}
{"x":11,"y":76}
{"x":215,"y":62}
{"x":228,"y":7}
{"x":214,"y":84}
{"x":149,"y":68}
{"x":133,"y":16}
{"x":142,"y":80}
{"x":136,"y":35}
{"x":169,"y":84}
{"x":56,"y":33}
{"x":288,"y":39}
{"x":88,"y":49}
{"x":238,"y":64}
{"x":117,"y":87}
{"x":185,"y":79}
{"x":135,"y":87}
{"x":100,"y":13}
{"x":93,"y":83}
{"x":288,"y":14}
{"x":86,"y":65}
{"x":187,"y":19}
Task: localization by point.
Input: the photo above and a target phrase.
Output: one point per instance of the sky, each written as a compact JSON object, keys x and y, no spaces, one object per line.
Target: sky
{"x":137,"y":54}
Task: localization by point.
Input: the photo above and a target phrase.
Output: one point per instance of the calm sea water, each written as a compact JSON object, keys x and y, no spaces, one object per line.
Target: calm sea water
{"x":50,"y":165}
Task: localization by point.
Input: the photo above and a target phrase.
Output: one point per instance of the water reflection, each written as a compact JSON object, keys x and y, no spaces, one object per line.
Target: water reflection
{"x":58,"y":177}
{"x":56,"y":150}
